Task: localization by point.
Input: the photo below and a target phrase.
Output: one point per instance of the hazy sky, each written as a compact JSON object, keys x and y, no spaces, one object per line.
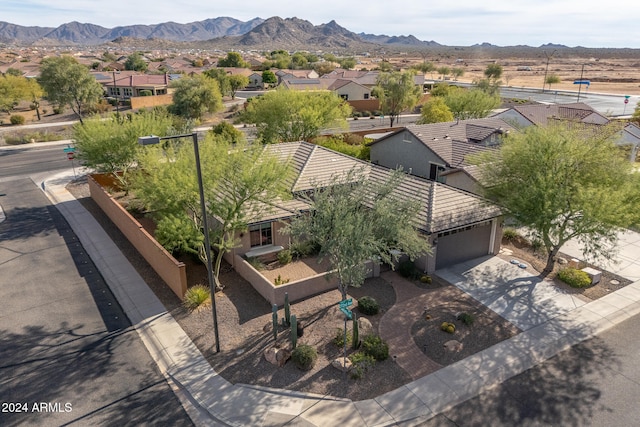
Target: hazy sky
{"x":460,"y":23}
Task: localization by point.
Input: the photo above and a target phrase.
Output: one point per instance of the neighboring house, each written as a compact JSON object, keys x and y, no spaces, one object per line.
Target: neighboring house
{"x":345,"y":89}
{"x":459,"y":225}
{"x":542,"y":114}
{"x":255,"y":81}
{"x":129,"y":86}
{"x":295,"y":74}
{"x":630,"y":135}
{"x":439,"y":151}
{"x":365,"y":78}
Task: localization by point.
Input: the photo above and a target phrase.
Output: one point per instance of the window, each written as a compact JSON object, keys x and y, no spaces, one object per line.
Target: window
{"x":366,"y":96}
{"x":260,"y":234}
{"x":127,"y":91}
{"x":345,"y":97}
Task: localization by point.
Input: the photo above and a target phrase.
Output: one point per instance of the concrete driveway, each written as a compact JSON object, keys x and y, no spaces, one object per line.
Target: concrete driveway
{"x":626,"y":262}
{"x":512,"y":292}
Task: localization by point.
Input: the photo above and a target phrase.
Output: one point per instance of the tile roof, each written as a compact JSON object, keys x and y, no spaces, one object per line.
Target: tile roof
{"x":540,"y":114}
{"x":442,"y":207}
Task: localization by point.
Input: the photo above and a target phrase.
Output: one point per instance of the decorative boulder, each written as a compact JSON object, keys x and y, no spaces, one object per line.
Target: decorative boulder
{"x":453,"y":346}
{"x":342,"y":364}
{"x":277,"y":356}
{"x":365,"y":327}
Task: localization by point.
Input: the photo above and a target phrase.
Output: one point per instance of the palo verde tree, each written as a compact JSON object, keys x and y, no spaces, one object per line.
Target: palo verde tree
{"x":292,"y":115}
{"x":355,"y":219}
{"x":397,"y":92}
{"x":195,"y":96}
{"x":234,"y":60}
{"x":135,"y":62}
{"x":552,"y":80}
{"x":435,"y":110}
{"x":67,"y":82}
{"x":111,"y":145}
{"x":470,"y":103}
{"x":241,"y":182}
{"x":237,"y":82}
{"x":564,"y":183}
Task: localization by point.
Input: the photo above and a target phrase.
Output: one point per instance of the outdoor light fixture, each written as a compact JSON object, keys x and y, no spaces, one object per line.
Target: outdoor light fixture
{"x":151,"y":140}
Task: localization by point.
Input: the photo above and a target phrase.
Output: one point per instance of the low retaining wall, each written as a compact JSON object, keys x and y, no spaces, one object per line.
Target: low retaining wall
{"x":297,"y":290}
{"x":150,"y":101}
{"x":173,"y":272}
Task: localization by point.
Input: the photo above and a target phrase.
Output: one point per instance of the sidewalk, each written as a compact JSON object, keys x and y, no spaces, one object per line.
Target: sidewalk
{"x":211,"y":400}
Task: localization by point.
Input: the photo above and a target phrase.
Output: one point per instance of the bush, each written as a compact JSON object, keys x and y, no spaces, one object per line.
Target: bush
{"x":362,"y":362}
{"x":510,"y":234}
{"x":58,"y":110}
{"x":338,"y":340}
{"x":146,"y":92}
{"x":368,"y":305}
{"x":16,"y":119}
{"x":466,"y":318}
{"x":408,"y":269}
{"x":425,"y":278}
{"x":574,"y":277}
{"x":304,"y":356}
{"x":280,"y":281}
{"x":255,"y":263}
{"x":196,"y":296}
{"x":284,"y":257}
{"x":374,"y":346}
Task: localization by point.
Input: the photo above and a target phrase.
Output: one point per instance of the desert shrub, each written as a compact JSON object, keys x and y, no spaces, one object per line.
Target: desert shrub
{"x":16,"y":119}
{"x":537,"y":245}
{"x":448,"y":327}
{"x":284,"y":257}
{"x":357,"y":114}
{"x":305,"y":249}
{"x":366,"y":113}
{"x":338,"y":339}
{"x":146,"y":92}
{"x":466,"y":318}
{"x":362,"y":362}
{"x":353,"y":139}
{"x":368,"y":305}
{"x":510,"y":234}
{"x":408,"y":269}
{"x":359,"y":151}
{"x":58,"y":110}
{"x":196,"y":296}
{"x":574,"y":277}
{"x":304,"y":357}
{"x":255,"y":263}
{"x":374,"y":346}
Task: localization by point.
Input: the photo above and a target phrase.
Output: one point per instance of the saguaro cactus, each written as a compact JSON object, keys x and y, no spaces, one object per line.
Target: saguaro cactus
{"x":294,"y":331}
{"x":287,"y":309}
{"x":355,"y":339}
{"x":274,"y":318}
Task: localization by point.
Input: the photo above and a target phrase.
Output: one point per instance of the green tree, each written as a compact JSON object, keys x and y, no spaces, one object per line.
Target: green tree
{"x":34,"y":93}
{"x":471,"y":104}
{"x":552,"y":79}
{"x":444,"y":71}
{"x":135,"y":62}
{"x":425,"y":67}
{"x":228,"y":132}
{"x":195,"y":96}
{"x":67,"y":82}
{"x":299,"y":61}
{"x":442,"y":89}
{"x":347,"y":63}
{"x":493,"y":72}
{"x":12,"y":91}
{"x":563,"y":183}
{"x":323,"y":68}
{"x":234,"y":60}
{"x":435,"y":110}
{"x":221,"y":76}
{"x":13,"y":72}
{"x":385,"y":67}
{"x":269,"y":78}
{"x":237,"y":82}
{"x":111,"y":145}
{"x":241,"y":182}
{"x":291,"y":115}
{"x":457,"y":72}
{"x":397,"y":92}
{"x":340,"y":221}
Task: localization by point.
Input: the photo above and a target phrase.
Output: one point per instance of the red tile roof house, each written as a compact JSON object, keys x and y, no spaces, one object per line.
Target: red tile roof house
{"x":133,"y":85}
{"x":459,"y":225}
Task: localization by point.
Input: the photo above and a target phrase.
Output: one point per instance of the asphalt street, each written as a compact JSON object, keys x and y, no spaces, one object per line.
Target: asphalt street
{"x":68,"y":354}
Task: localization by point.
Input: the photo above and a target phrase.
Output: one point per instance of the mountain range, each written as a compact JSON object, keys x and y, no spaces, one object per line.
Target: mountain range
{"x":226,"y":31}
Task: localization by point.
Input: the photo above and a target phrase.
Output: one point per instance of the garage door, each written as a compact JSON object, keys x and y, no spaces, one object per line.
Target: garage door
{"x":462,"y":245}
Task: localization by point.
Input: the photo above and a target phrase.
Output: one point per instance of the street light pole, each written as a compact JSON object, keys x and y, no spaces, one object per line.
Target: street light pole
{"x":544,"y":82}
{"x":150,"y":140}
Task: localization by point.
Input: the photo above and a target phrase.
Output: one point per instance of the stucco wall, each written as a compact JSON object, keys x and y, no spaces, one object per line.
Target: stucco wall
{"x":168,"y":268}
{"x":396,"y":151}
